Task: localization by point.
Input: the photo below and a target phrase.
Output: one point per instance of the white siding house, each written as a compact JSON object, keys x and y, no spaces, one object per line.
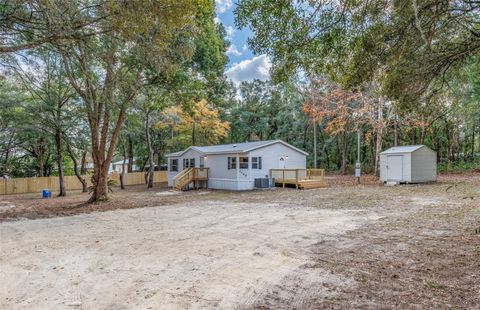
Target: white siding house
{"x":236,"y":166}
{"x":118,"y":166}
{"x":408,"y":164}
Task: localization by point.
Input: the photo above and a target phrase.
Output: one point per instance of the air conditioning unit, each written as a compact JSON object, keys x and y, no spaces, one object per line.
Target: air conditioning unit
{"x":264,"y":182}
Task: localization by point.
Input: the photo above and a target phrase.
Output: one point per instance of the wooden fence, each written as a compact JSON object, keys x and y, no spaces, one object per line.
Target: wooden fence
{"x":36,"y":185}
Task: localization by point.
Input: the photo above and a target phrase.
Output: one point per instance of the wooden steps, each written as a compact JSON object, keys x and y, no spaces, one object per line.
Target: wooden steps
{"x":309,"y":184}
{"x":197,"y":176}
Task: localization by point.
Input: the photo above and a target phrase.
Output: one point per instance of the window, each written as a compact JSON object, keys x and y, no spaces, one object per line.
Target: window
{"x":232,"y":163}
{"x":256,"y":163}
{"x":173,"y":164}
{"x":243,"y":162}
{"x":188,"y":163}
{"x":202,"y":162}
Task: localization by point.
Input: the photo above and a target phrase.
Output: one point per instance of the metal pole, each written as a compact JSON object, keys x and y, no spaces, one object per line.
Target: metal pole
{"x":357,"y":165}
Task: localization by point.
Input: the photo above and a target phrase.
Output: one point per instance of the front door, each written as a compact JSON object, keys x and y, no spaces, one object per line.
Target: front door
{"x":282,"y":162}
{"x":394,"y":167}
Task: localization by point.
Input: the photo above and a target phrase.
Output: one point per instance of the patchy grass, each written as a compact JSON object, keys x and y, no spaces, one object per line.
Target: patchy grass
{"x":434,"y":285}
{"x":422,"y":252}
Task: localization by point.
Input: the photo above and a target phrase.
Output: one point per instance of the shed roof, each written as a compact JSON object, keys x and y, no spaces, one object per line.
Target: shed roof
{"x":403,"y":149}
{"x":234,"y":148}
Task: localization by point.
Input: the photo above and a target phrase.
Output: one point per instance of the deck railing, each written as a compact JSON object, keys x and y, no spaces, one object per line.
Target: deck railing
{"x":201,"y":173}
{"x":297,"y":174}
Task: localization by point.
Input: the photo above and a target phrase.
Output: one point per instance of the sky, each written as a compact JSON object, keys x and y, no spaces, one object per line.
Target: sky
{"x":243,"y":65}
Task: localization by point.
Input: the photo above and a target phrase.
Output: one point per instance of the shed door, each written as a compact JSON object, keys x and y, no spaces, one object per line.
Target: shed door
{"x":394,"y":167}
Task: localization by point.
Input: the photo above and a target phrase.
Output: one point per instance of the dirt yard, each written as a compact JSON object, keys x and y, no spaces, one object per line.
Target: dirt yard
{"x":413,"y":246}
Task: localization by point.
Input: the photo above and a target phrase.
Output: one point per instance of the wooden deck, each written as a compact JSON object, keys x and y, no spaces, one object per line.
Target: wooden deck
{"x":300,"y":178}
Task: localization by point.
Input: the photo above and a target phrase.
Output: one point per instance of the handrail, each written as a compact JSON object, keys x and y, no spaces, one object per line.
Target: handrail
{"x":189,"y":175}
{"x":298,"y":174}
{"x":180,"y":178}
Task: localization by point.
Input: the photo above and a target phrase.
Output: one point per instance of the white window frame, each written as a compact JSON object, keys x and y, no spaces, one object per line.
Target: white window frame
{"x":172,"y":160}
{"x":232,"y":163}
{"x":243,"y":162}
{"x":257,"y":162}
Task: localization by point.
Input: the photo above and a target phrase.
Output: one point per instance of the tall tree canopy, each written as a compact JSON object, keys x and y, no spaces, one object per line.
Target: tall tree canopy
{"x":409,"y":45}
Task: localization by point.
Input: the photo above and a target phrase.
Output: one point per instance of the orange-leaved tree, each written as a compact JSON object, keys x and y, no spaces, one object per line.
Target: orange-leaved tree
{"x":199,"y":125}
{"x":341,"y":110}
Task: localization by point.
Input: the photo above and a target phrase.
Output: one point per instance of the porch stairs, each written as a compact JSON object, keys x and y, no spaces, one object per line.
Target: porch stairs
{"x":187,"y":176}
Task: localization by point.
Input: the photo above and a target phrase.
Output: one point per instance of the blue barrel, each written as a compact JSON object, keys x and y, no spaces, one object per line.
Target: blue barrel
{"x":46,"y":193}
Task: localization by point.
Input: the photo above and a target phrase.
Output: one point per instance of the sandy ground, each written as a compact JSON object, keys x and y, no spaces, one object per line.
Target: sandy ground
{"x":338,"y":247}
{"x":213,"y":254}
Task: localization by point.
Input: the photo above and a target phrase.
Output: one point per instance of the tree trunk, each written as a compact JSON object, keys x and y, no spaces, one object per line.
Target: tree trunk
{"x":414,"y":135}
{"x":78,"y":174}
{"x":395,"y":132}
{"x":343,"y":168}
{"x":449,"y":136}
{"x":122,"y":175}
{"x":59,"y":157}
{"x":83,"y":165}
{"x":151,"y":168}
{"x":423,"y":131}
{"x":40,"y":153}
{"x":100,"y":184}
{"x":379,"y":138}
{"x":325,"y":151}
{"x":124,"y":163}
{"x":102,"y":157}
{"x":314,"y":144}
{"x":193,"y":133}
{"x":305,"y":132}
{"x":130,"y":153}
{"x":473,"y":141}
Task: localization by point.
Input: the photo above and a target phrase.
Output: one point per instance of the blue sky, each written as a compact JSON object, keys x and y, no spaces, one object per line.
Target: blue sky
{"x":243,"y":64}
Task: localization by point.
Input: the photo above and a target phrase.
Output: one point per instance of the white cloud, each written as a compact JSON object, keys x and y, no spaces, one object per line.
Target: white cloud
{"x":250,"y":69}
{"x":223,"y":5}
{"x":217,"y":20}
{"x":244,"y":47}
{"x":232,"y":50}
{"x":230,"y":31}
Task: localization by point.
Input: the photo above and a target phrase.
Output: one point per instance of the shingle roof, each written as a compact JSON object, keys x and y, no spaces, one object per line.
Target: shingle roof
{"x":233,"y":148}
{"x":402,"y":149}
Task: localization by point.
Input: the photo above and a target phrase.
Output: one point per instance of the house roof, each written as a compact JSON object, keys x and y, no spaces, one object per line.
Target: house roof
{"x":234,"y":148}
{"x":402,"y":149}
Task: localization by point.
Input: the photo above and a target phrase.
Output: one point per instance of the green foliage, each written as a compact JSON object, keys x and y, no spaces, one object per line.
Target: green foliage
{"x":407,"y":46}
{"x":110,"y":185}
{"x":461,"y":166}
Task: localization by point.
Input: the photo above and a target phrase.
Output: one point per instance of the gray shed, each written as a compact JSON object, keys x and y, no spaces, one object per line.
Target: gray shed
{"x":408,"y":164}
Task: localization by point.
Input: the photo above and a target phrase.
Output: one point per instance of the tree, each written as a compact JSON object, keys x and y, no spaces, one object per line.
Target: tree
{"x":412,"y":45}
{"x":108,"y":69}
{"x":34,"y":23}
{"x":344,"y":111}
{"x":51,"y":109}
{"x":199,"y":126}
{"x":11,"y":114}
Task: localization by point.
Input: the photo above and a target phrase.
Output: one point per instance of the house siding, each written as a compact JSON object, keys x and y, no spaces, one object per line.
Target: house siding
{"x":188,"y":154}
{"x":424,"y":165}
{"x":218,"y":164}
{"x":270,"y":159}
{"x":220,"y":177}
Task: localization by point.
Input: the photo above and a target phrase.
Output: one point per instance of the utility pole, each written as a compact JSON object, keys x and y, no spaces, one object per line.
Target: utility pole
{"x":357,"y":165}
